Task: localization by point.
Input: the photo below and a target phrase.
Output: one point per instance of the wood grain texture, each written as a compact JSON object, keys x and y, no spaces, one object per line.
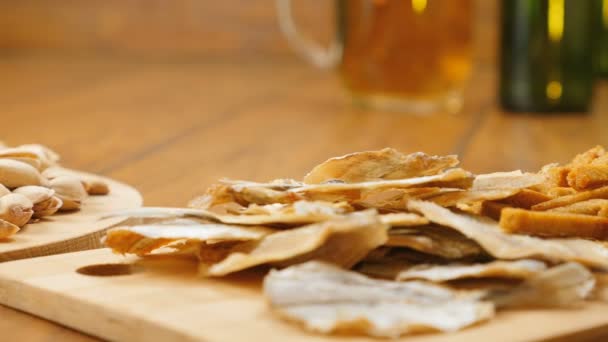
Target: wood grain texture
{"x":167,"y":301}
{"x":74,"y":231}
{"x":181,"y":28}
{"x":172,"y":128}
{"x":155,"y":27}
{"x":527,"y":141}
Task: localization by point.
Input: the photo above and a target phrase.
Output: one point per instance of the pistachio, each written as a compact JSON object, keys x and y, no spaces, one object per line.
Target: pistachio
{"x":95,"y":186}
{"x":14,"y":174}
{"x":16,"y":209}
{"x":35,"y":193}
{"x":31,"y":161}
{"x":54,"y":172}
{"x":70,"y":190}
{"x":45,"y":155}
{"x":4,"y":190}
{"x":47,"y":207}
{"x":32,"y":156}
{"x":43,"y":151}
{"x":7,"y":229}
{"x":45,"y":203}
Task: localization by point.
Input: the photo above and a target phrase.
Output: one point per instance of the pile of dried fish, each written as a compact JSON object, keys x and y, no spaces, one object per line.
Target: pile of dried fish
{"x":385,"y":244}
{"x":32,"y":186}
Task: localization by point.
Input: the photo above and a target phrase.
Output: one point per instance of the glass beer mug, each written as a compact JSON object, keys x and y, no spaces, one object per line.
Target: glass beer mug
{"x":407,"y":55}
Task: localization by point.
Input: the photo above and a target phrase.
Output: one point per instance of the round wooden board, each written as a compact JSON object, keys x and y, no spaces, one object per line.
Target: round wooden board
{"x":71,"y":231}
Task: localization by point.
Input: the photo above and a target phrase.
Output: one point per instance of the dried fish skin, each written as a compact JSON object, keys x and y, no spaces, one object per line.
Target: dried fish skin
{"x":343,"y":241}
{"x":445,"y":179}
{"x":501,"y":245}
{"x":327,"y":299}
{"x":376,"y":165}
{"x":144,"y":239}
{"x":388,"y":200}
{"x":297,"y":213}
{"x":403,"y":219}
{"x":518,"y":269}
{"x":507,"y":180}
{"x":565,"y":285}
{"x":471,"y":196}
{"x":435,"y":240}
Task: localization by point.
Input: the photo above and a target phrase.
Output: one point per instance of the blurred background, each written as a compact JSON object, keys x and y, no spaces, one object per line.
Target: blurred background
{"x":172,"y":28}
{"x":171,"y":95}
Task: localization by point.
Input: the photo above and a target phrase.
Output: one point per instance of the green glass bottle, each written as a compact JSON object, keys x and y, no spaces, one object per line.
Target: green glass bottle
{"x":601,"y":33}
{"x":546,"y":55}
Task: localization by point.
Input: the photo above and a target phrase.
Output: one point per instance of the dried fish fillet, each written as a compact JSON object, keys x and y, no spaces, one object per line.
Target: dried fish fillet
{"x":403,"y":219}
{"x":505,"y":246}
{"x":286,"y":191}
{"x":343,"y":241}
{"x":518,"y":269}
{"x":300,"y":212}
{"x":445,"y":179}
{"x":144,"y":239}
{"x":452,"y":199}
{"x":233,"y":193}
{"x":375,"y":165}
{"x":564,"y":285}
{"x":327,"y":299}
{"x":507,"y":180}
{"x":396,"y":199}
{"x":435,"y":240}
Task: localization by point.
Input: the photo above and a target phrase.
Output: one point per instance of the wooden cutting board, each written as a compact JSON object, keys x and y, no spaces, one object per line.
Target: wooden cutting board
{"x":162,"y":299}
{"x":69,"y":232}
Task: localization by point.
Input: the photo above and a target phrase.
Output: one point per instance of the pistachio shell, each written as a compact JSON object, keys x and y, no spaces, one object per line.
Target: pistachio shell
{"x":14,"y":174}
{"x":42,"y":151}
{"x":31,"y":161}
{"x":4,"y":190}
{"x":70,"y":190}
{"x":48,"y":207}
{"x":27,"y":155}
{"x":54,"y":172}
{"x":16,"y":209}
{"x":35,"y":193}
{"x":7,"y":229}
{"x":45,"y":155}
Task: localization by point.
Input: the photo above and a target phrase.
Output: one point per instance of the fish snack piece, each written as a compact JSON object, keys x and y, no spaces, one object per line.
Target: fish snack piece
{"x":386,"y":244}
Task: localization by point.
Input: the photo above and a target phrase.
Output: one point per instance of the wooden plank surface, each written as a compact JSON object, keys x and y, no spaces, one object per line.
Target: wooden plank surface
{"x":72,"y":231}
{"x":171,"y":128}
{"x":166,"y":300}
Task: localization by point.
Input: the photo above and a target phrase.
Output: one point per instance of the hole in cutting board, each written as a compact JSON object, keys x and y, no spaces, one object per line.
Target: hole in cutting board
{"x":108,"y":270}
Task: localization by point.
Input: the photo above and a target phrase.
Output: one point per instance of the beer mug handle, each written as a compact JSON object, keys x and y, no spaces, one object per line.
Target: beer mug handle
{"x":325,"y":58}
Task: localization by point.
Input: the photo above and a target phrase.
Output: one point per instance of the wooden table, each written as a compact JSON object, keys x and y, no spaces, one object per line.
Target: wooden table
{"x":171,"y":128}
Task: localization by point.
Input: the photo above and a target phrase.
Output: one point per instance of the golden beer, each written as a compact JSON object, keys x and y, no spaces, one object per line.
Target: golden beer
{"x":416,"y":52}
